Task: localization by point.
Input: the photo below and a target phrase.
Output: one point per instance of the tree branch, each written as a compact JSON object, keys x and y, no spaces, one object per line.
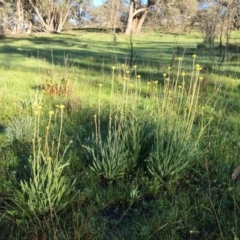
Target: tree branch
{"x":139,"y":11}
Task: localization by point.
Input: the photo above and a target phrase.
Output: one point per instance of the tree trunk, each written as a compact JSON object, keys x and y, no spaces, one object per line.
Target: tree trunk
{"x":141,"y":20}
{"x":136,"y":17}
{"x":56,"y":17}
{"x":19,"y":15}
{"x":130,"y":19}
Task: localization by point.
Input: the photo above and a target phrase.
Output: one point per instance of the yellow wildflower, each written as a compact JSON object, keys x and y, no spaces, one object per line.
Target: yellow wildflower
{"x":113,"y":67}
{"x":164,"y":74}
{"x":61,"y":106}
{"x":180,"y":58}
{"x":51,"y":112}
{"x":194,"y":55}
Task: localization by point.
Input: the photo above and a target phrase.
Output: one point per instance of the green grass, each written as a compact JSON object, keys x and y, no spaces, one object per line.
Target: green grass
{"x":149,"y":158}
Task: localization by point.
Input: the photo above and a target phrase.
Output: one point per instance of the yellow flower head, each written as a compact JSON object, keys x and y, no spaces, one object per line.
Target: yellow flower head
{"x":57,"y":106}
{"x":156,"y":82}
{"x":167,"y":79}
{"x":100,"y":85}
{"x":200,"y":78}
{"x":113,"y":67}
{"x":180,"y":58}
{"x":124,"y":79}
{"x":95,"y":116}
{"x":51,"y":112}
{"x":170,"y":92}
{"x":197,"y":66}
{"x":135,"y":66}
{"x":169,"y":68}
{"x":164,"y":74}
{"x":170,"y":99}
{"x":179,"y":86}
{"x":49,"y":158}
{"x":194,"y":55}
{"x":138,"y":76}
{"x":127,"y":72}
{"x":203,"y":107}
{"x":148,"y":83}
{"x":36,"y":112}
{"x":183,"y":74}
{"x":62,"y":106}
{"x":39,"y":107}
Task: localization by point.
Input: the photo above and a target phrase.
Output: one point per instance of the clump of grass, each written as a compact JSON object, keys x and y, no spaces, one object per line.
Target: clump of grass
{"x":173,"y":145}
{"x":36,"y":204}
{"x":235,"y":58}
{"x":54,"y":85}
{"x":20,"y":129}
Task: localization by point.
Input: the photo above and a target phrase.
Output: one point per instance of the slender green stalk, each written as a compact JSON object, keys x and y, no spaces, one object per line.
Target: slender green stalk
{"x":111,"y":101}
{"x":60,"y":131}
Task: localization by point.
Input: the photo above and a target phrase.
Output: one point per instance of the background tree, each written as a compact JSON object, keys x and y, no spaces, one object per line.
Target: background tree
{"x":53,"y":14}
{"x":170,"y":14}
{"x":176,"y":14}
{"x":137,"y":14}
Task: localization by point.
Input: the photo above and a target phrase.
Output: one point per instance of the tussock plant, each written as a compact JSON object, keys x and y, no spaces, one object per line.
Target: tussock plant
{"x":175,"y":146}
{"x":110,"y":158}
{"x":20,"y":129}
{"x":167,"y":131}
{"x":57,"y":86}
{"x":35,"y":205}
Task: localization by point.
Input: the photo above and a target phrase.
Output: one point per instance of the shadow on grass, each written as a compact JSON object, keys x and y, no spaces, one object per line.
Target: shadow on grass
{"x":97,"y":52}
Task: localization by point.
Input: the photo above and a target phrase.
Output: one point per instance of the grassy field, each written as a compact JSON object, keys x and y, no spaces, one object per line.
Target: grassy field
{"x":92,"y":148}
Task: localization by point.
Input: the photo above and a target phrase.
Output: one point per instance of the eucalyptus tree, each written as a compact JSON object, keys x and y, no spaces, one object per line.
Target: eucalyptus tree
{"x":217,"y":18}
{"x":53,"y":14}
{"x":13,"y":16}
{"x":170,"y":12}
{"x":138,"y":11}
